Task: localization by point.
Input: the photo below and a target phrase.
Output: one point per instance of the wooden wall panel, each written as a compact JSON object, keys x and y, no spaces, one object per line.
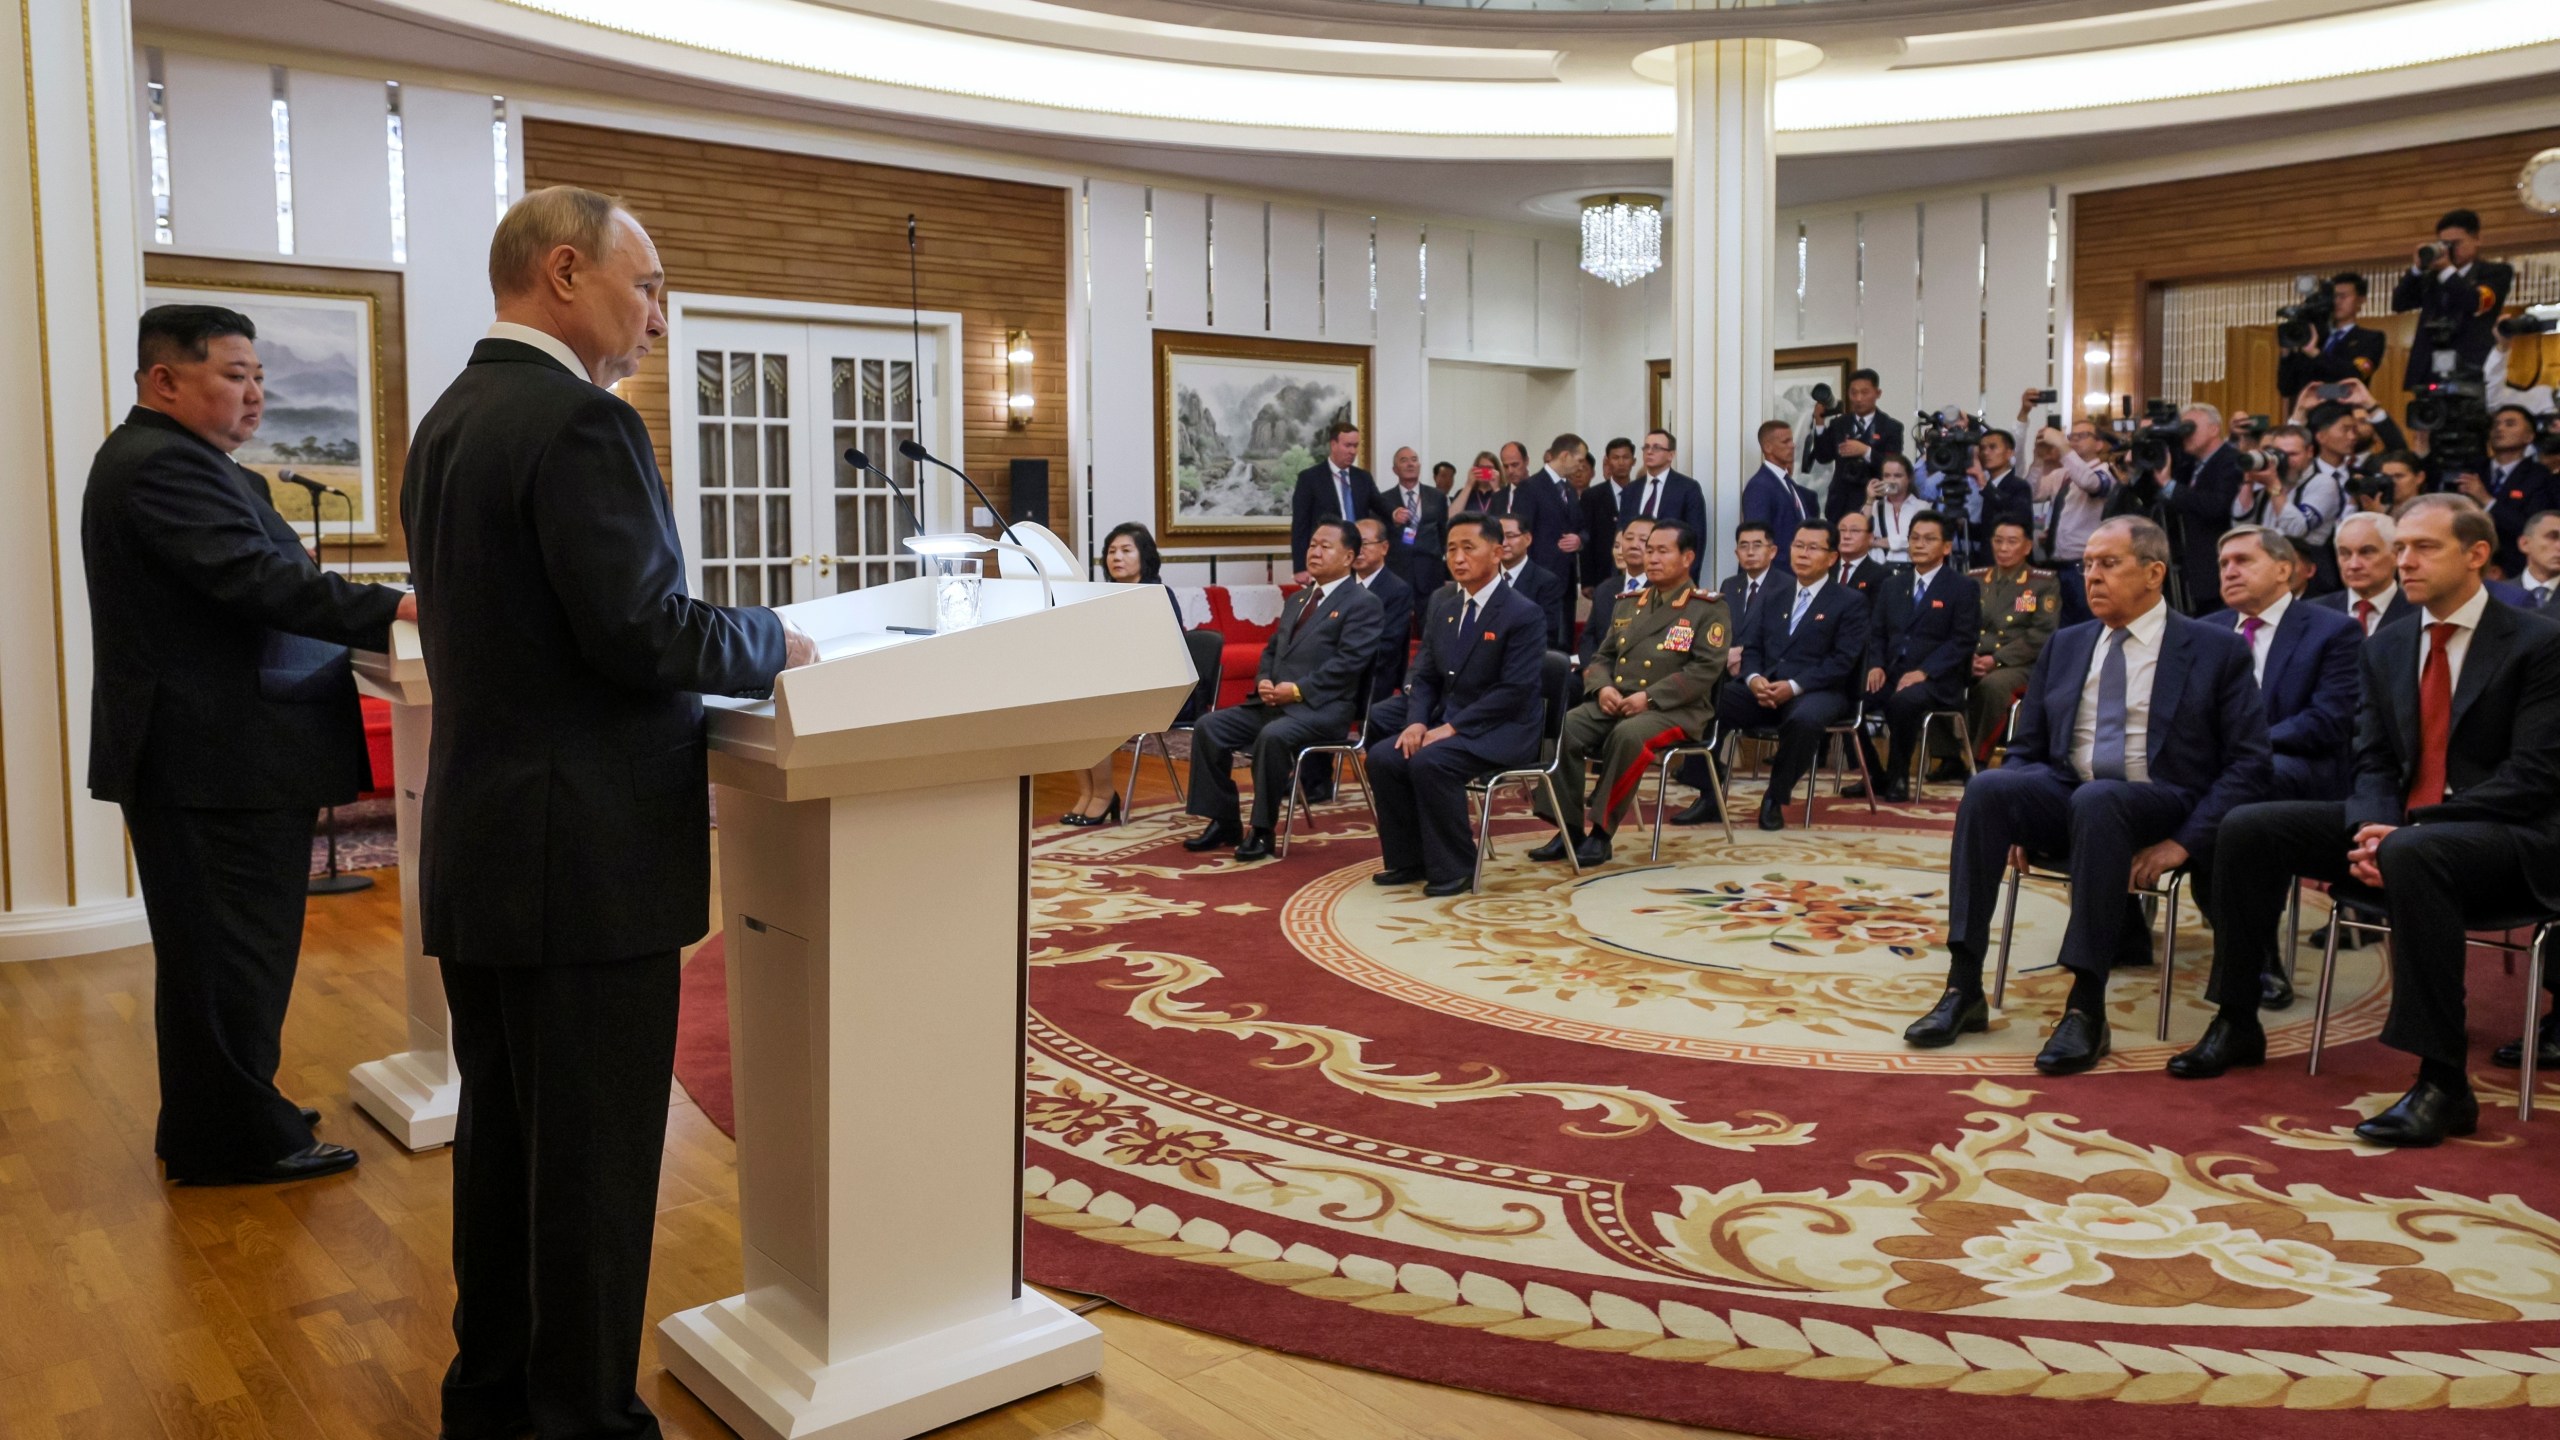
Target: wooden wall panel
{"x":730,"y":220}
{"x":2281,"y":221}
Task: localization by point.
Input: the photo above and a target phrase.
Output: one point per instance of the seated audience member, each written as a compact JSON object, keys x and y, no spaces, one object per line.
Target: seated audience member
{"x":1522,"y":572}
{"x":1800,"y":665}
{"x":1652,"y":682}
{"x":2540,"y":543}
{"x":1306,"y":692}
{"x":2516,"y":487}
{"x":2021,"y":606}
{"x":1129,"y":557}
{"x":1471,"y":705}
{"x":1625,"y":581}
{"x":1858,"y":568}
{"x":1893,"y":507}
{"x":2304,"y":658}
{"x":1396,"y":604}
{"x":2140,"y":731}
{"x":2455,"y":815}
{"x":2367,"y":568}
{"x":1772,"y":496}
{"x":1755,"y":583}
{"x":2073,"y":477}
{"x":1920,"y":647}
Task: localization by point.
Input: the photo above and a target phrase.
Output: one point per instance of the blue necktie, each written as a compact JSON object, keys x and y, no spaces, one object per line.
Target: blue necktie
{"x":1344,"y":477}
{"x":2106,"y":757}
{"x":1803,"y":598}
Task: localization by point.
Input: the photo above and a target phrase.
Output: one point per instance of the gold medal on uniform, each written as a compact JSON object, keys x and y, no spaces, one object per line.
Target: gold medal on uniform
{"x":1677,"y":638}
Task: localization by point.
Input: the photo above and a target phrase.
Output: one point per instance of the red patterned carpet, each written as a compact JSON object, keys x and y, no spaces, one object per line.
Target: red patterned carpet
{"x":1649,"y":1142}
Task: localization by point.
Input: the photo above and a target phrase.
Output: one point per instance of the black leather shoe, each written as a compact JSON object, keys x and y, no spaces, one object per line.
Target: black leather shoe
{"x":1701,"y":811}
{"x":310,"y":1116}
{"x":1773,"y":814}
{"x":1552,"y":851}
{"x":2078,"y":1042}
{"x":1594,"y":849}
{"x":2275,"y":989}
{"x":1853,"y":789}
{"x":1318,"y":794}
{"x":1958,"y":1012}
{"x":1947,"y":772}
{"x":1894,"y":792}
{"x":1443,"y":889}
{"x":2423,"y":1117}
{"x":2226,"y":1045}
{"x":306,"y":1164}
{"x":2546,"y":1053}
{"x":2349,"y":939}
{"x":1256,"y":846}
{"x":1409,"y":875}
{"x":1218,"y":836}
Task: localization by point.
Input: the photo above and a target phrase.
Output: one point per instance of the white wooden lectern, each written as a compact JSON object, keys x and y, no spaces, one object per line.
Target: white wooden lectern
{"x":415,"y":1094}
{"x":874,"y":872}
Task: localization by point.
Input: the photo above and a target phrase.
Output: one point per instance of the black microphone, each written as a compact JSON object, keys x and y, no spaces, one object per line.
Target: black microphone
{"x":315,"y":488}
{"x":915,"y":451}
{"x":860,"y":461}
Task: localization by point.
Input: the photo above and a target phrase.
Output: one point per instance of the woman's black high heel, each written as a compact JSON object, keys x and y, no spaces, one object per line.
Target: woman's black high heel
{"x":1110,"y":815}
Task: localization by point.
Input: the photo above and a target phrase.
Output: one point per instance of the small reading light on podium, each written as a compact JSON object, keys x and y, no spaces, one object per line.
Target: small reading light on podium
{"x":1017,"y":378}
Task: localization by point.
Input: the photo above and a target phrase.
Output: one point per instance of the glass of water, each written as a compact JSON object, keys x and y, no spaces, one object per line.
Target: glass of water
{"x":955,"y":592}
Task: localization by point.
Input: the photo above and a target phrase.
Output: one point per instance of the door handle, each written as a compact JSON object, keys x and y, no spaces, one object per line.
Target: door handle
{"x":799,"y":559}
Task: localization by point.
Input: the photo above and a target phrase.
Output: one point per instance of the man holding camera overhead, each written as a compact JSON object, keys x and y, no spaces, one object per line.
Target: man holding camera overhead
{"x":2458,"y":296}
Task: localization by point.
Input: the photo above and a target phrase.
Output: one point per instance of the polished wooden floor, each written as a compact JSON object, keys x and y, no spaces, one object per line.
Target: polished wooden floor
{"x":129,"y":1309}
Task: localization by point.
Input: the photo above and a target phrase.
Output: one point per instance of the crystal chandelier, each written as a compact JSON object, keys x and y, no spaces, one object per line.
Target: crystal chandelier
{"x":1622,"y":237}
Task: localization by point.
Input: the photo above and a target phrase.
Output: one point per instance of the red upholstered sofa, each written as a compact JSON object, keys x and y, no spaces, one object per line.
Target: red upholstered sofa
{"x":377,"y":744}
{"x":1247,"y":615}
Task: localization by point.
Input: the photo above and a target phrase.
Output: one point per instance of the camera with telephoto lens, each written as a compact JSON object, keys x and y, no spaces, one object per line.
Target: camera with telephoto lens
{"x":2300,"y":325}
{"x":2367,"y":482}
{"x":2154,"y":447}
{"x":2546,"y":440}
{"x":2455,"y":415}
{"x":1947,"y":439}
{"x":2536,"y":320}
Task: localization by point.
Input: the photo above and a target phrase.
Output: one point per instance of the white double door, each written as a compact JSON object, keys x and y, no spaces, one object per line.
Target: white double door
{"x":773,"y":514}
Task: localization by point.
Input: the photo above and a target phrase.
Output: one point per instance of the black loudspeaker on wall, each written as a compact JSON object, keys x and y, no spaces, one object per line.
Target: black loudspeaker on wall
{"x":1028,"y":492}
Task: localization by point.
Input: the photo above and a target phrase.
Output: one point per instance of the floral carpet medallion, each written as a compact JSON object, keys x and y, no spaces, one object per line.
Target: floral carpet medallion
{"x":1648,"y":1140}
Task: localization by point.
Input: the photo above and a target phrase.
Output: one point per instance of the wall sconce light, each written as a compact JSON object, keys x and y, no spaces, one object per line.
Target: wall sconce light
{"x":1017,"y":377}
{"x":2098,"y":362}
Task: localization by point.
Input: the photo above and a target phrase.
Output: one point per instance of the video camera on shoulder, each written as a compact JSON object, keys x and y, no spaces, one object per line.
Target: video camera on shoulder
{"x":2455,"y":415}
{"x":2157,"y":442}
{"x":2313,"y":312}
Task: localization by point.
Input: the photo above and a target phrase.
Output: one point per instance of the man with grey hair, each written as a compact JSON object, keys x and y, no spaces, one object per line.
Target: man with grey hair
{"x":2195,"y":502}
{"x":2140,"y":729}
{"x":2371,"y":594}
{"x":566,"y":860}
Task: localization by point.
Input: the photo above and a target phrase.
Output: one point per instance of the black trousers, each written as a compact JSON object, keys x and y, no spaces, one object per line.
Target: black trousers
{"x":224,"y":891}
{"x":1275,"y":739}
{"x":2093,"y":827}
{"x":564,"y":1070}
{"x":1799,"y":723}
{"x":1903,"y":711}
{"x":1423,"y":815}
{"x":2433,"y":877}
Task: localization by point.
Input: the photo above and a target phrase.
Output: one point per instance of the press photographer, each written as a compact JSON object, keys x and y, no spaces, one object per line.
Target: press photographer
{"x":2384,"y":481}
{"x":2457,"y":296}
{"x":2319,"y":337}
{"x":1852,"y":443}
{"x":2195,"y":504}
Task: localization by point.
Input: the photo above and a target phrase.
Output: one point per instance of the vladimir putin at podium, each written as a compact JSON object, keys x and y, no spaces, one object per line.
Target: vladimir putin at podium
{"x":566,"y":847}
{"x":1307,"y":692}
{"x":223,"y":716}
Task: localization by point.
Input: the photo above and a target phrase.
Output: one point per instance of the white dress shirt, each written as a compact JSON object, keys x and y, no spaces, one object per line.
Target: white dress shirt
{"x":1649,"y":496}
{"x":2268,"y":620}
{"x":544,"y":341}
{"x":1893,"y":527}
{"x":2381,"y":602}
{"x":1798,"y":607}
{"x":2313,"y":508}
{"x":1787,"y":482}
{"x":2541,"y":587}
{"x":2464,"y":621}
{"x":2141,"y":662}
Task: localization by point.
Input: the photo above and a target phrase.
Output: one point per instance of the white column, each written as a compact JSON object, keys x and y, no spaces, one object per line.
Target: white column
{"x":70,"y":289}
{"x":1720,"y":232}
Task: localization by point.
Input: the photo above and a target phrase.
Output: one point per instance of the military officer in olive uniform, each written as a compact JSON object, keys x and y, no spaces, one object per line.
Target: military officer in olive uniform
{"x":2020,"y":608}
{"x":1653,"y":682}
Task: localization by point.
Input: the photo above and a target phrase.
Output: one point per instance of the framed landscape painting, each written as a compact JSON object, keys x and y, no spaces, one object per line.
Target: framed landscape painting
{"x":321,"y":341}
{"x":1237,"y":418}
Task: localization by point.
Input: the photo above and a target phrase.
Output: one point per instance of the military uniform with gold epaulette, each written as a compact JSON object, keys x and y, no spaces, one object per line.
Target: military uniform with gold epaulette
{"x":2020,"y":609}
{"x":1669,"y":646}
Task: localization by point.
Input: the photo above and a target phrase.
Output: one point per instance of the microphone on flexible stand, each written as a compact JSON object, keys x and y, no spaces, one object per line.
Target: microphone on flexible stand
{"x":860,"y":461}
{"x":913,"y":450}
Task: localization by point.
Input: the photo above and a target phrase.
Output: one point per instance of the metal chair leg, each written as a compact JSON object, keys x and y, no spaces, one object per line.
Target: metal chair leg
{"x":1164,"y":751}
{"x":1548,"y":784}
{"x":1289,"y":810}
{"x":2169,"y":950}
{"x":1813,"y":774}
{"x":2293,"y":935}
{"x":1129,"y":792}
{"x":1661,"y":801}
{"x":1919,"y":776}
{"x":2320,"y":998}
{"x":2533,"y":970}
{"x":1484,"y":837}
{"x":1964,"y":739}
{"x":2008,"y":926}
{"x":1859,"y":750}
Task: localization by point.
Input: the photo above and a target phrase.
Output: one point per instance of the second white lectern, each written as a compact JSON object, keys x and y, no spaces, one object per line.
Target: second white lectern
{"x":875,"y":878}
{"x":415,"y":1094}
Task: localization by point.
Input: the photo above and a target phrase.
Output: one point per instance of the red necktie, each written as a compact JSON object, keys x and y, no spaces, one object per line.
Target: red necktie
{"x":2435,"y":718}
{"x":2364,"y":615}
{"x":1314,"y":598}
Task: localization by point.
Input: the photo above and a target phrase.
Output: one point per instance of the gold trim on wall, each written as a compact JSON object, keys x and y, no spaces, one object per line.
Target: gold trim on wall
{"x":1241,"y":347}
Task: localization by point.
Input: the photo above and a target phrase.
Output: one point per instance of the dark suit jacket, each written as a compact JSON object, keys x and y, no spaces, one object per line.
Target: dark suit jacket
{"x":2310,"y":692}
{"x":2009,"y":497}
{"x":1484,"y":681}
{"x":1547,"y":506}
{"x":215,"y":678}
{"x":1826,"y":651}
{"x":2197,"y":511}
{"x":1849,"y":477}
{"x":2502,"y":763}
{"x":1600,"y":507}
{"x":1416,"y":564}
{"x":1604,"y":608}
{"x":1682,"y":499}
{"x":567,"y":814}
{"x":1316,"y":499}
{"x":2344,"y":601}
{"x":2353,"y":353}
{"x":1864,"y":577}
{"x":1780,"y":503}
{"x":1775,"y":582}
{"x":2472,"y":304}
{"x":1395,"y":632}
{"x":1936,"y":638}
{"x":2207,"y":740}
{"x":2528,"y":490}
{"x":1553,"y":598}
{"x":1327,"y":655}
